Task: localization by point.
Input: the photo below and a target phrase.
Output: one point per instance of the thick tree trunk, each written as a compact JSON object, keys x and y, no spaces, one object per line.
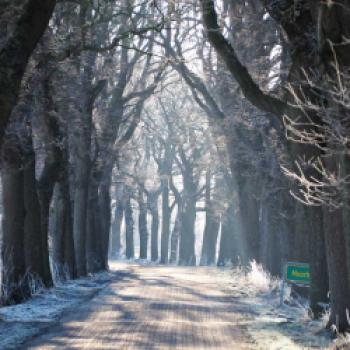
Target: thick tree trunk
{"x":62,"y":233}
{"x":129,"y":230}
{"x":232,"y":249}
{"x":227,"y":240}
{"x":143,"y":226}
{"x":57,"y":227}
{"x":69,"y":252}
{"x":83,"y":164}
{"x":249,"y":212}
{"x":33,"y":237}
{"x":154,"y":235}
{"x":175,"y":236}
{"x":211,"y":229}
{"x":93,"y":231}
{"x":15,"y":281}
{"x":116,"y":229}
{"x":153,"y":207}
{"x":271,"y":233}
{"x":166,"y":214}
{"x":319,"y":270}
{"x":45,"y":196}
{"x":210,"y":237}
{"x":105,"y":217}
{"x":338,"y":268}
{"x":80,"y":212}
{"x":187,"y":255}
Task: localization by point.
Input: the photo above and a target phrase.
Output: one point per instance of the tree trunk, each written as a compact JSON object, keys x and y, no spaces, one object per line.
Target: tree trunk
{"x":210,"y":237}
{"x":338,"y":269}
{"x":15,"y":282}
{"x":93,"y":231}
{"x":116,"y":229}
{"x":62,"y":233}
{"x":57,"y":227}
{"x":153,"y":207}
{"x":105,"y":217}
{"x":175,"y":235}
{"x":249,"y":212}
{"x":143,"y":226}
{"x":69,"y":251}
{"x":33,"y":245}
{"x":319,"y":270}
{"x":233,"y":242}
{"x":187,"y":255}
{"x":227,"y":240}
{"x":271,"y":233}
{"x":80,"y":212}
{"x":166,"y":214}
{"x":45,"y":196}
{"x":83,"y":164}
{"x":129,"y":230}
{"x":211,"y":230}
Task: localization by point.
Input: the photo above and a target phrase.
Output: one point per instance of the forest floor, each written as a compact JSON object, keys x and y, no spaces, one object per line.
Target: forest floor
{"x":150,"y":307}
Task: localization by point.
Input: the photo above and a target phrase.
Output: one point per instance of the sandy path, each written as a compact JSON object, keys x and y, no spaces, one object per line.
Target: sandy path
{"x":152,"y":307}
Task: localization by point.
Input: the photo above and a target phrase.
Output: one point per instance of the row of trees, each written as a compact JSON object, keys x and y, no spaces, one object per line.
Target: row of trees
{"x":173,"y":174}
{"x":311,"y":106}
{"x":78,"y":101}
{"x":152,"y":99}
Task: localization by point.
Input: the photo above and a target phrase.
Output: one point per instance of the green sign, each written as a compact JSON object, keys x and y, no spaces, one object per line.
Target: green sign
{"x":298,"y":273}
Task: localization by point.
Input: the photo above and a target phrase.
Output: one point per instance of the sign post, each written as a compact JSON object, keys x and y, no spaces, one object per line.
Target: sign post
{"x":295,"y":273}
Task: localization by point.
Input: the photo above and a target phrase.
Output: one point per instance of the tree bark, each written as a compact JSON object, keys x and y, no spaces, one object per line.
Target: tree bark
{"x":175,"y":236}
{"x":62,"y":232}
{"x":93,"y":231}
{"x":211,"y":229}
{"x":33,"y":235}
{"x":29,"y":25}
{"x":57,"y":227}
{"x":319,"y":270}
{"x":15,"y":281}
{"x":143,"y":226}
{"x":45,"y":196}
{"x":153,"y":208}
{"x":105,"y":217}
{"x":227,"y":240}
{"x":129,"y":230}
{"x":187,"y":255}
{"x":116,"y":229}
{"x":80,"y":213}
{"x":166,"y":214}
{"x":339,"y":272}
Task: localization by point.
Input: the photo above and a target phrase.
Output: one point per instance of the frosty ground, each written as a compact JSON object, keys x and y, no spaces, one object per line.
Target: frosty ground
{"x":254,"y":293}
{"x":19,"y":323}
{"x":275,"y":327}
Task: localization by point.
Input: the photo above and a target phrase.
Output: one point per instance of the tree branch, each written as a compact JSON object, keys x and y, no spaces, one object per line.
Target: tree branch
{"x":250,"y":89}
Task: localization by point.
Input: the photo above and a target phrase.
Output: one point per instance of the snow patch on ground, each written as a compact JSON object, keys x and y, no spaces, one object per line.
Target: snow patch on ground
{"x":20,"y":322}
{"x":275,"y":327}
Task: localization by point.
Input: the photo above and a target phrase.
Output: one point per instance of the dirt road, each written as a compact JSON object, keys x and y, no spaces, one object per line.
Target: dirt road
{"x":154,"y":308}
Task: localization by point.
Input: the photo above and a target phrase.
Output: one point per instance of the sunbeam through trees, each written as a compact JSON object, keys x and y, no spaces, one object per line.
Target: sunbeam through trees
{"x":206,"y":134}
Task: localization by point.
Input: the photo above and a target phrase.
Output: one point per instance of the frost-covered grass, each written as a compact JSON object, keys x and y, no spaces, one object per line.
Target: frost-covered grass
{"x":272,"y":326}
{"x":23,"y":321}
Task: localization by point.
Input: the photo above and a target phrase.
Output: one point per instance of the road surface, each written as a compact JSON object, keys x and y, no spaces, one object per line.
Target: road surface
{"x":154,"y":308}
